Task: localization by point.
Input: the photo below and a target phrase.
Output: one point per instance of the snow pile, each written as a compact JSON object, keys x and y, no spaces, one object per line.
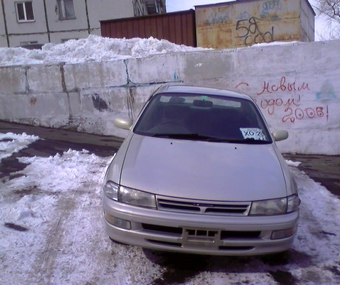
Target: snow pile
{"x":10,"y":143}
{"x":52,"y":227}
{"x":293,"y":163}
{"x":60,"y":178}
{"x":93,"y":48}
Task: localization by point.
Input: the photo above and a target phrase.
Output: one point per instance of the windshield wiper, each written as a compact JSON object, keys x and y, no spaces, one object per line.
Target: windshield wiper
{"x":189,"y":136}
{"x":249,"y":141}
{"x":198,"y":137}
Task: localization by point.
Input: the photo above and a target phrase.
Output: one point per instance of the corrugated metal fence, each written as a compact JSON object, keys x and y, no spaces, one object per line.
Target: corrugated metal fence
{"x":177,"y":27}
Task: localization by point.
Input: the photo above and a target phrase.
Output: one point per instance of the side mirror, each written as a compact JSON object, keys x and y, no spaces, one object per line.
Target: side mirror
{"x":280,"y":135}
{"x":124,"y":124}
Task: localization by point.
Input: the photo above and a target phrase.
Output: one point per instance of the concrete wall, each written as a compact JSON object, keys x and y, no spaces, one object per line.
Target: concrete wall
{"x":247,"y":22}
{"x":296,"y":86}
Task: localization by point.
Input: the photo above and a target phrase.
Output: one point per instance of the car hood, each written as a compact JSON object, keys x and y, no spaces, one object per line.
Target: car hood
{"x":203,"y":170}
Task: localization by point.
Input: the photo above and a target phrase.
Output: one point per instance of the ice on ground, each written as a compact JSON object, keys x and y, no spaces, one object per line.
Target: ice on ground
{"x":10,"y":143}
{"x":293,"y":163}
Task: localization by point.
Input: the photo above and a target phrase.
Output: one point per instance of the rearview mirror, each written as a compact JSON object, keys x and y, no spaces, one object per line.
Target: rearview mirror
{"x":280,"y":135}
{"x":124,"y":124}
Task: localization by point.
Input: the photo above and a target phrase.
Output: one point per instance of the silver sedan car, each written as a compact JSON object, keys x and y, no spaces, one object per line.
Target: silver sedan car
{"x":199,"y":172}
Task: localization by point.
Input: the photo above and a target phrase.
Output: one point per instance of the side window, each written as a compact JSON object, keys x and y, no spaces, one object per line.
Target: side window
{"x":24,"y":11}
{"x":66,"y":9}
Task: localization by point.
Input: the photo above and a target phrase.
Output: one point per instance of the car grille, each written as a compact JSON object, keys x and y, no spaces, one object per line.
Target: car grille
{"x":203,"y":207}
{"x":221,"y":248}
{"x":202,"y":238}
{"x":199,"y":232}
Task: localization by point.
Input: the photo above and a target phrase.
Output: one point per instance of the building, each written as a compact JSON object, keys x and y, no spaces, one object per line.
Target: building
{"x":238,"y":23}
{"x":36,"y":22}
{"x":247,"y":22}
{"x":149,"y":7}
{"x":176,"y":27}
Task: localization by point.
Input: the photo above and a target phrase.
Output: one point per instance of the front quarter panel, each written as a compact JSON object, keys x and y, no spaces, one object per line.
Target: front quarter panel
{"x":290,"y":183}
{"x":113,"y":172}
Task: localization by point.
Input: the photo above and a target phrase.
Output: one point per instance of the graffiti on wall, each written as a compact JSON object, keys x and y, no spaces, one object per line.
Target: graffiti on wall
{"x":99,"y":103}
{"x":270,"y":7}
{"x":283,"y":85}
{"x":327,"y":92}
{"x":249,"y":31}
{"x":248,"y":26}
{"x":283,"y":98}
{"x":218,"y":17}
{"x":245,"y":23}
{"x":243,"y":15}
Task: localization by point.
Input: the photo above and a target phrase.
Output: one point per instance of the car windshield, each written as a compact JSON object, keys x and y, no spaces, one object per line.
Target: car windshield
{"x":203,"y":117}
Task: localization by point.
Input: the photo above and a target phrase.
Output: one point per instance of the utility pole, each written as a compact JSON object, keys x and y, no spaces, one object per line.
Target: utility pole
{"x":87,"y":18}
{"x":5,"y":22}
{"x":46,"y":20}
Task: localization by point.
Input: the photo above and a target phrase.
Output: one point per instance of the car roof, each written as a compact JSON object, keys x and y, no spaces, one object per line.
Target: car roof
{"x":200,"y":89}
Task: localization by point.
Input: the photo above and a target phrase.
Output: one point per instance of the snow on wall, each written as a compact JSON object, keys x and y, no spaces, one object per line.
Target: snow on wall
{"x":296,"y":86}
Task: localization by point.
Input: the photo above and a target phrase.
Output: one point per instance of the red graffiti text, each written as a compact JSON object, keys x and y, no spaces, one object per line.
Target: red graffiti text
{"x":271,"y":104}
{"x":298,"y":114}
{"x":283,"y":85}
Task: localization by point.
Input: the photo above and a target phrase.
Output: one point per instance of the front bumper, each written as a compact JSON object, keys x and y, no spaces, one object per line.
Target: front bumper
{"x":198,"y":233}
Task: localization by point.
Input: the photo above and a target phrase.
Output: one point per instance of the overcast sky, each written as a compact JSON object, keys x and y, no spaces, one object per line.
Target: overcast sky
{"x":179,"y":5}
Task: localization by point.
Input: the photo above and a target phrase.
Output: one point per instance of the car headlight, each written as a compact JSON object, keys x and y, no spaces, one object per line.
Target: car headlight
{"x":111,"y":190}
{"x":293,"y":203}
{"x":129,"y":196}
{"x":136,"y":197}
{"x":275,"y":206}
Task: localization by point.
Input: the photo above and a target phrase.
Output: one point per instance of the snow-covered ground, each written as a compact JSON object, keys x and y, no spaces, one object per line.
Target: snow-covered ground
{"x":52,"y":232}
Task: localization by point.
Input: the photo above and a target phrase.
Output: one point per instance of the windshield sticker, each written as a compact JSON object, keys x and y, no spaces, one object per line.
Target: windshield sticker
{"x":253,"y":133}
